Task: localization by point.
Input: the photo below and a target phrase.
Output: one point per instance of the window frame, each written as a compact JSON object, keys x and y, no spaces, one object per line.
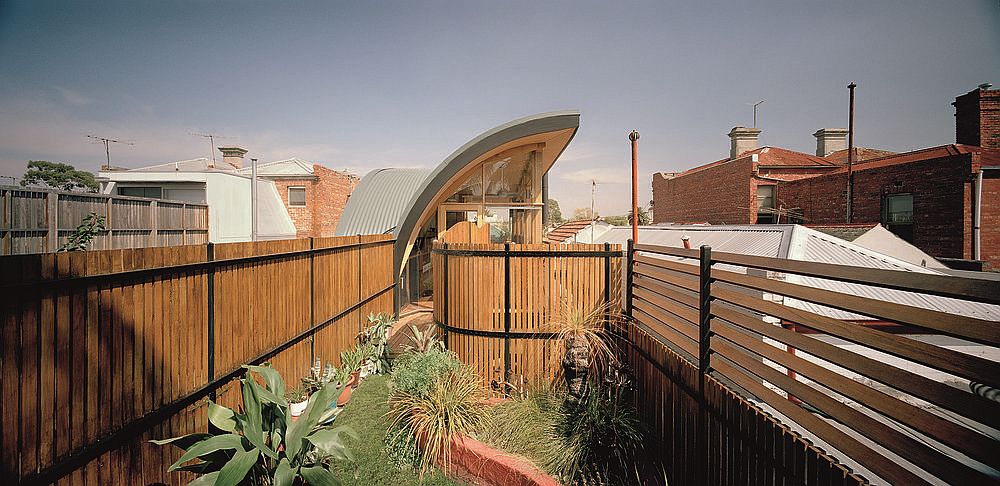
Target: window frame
{"x":304,"y":198}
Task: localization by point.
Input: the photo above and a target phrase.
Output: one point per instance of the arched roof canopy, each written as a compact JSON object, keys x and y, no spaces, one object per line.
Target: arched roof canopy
{"x":553,"y":130}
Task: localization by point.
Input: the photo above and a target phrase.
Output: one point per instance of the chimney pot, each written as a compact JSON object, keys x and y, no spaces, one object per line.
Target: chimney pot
{"x":830,"y":140}
{"x":687,"y":242}
{"x":233,"y":156}
{"x":742,"y":140}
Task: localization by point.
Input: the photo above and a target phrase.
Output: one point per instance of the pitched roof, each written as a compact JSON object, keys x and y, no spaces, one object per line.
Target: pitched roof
{"x":201,"y":164}
{"x":796,"y":242}
{"x":567,"y":230}
{"x":846,"y":232}
{"x":770,"y":157}
{"x":288,"y":167}
{"x":916,"y":155}
{"x":860,"y":154}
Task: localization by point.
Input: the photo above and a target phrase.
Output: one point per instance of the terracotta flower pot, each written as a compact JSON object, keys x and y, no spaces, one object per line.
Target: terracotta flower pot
{"x":345,"y":396}
{"x":355,"y":379}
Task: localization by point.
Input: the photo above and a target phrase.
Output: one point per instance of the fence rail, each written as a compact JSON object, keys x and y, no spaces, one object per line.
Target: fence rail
{"x":103,"y":350}
{"x":497,"y":304}
{"x":892,"y":404}
{"x":40,"y":220}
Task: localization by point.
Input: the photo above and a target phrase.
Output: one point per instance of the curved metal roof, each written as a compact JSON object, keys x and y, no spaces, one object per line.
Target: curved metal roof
{"x":393,"y":200}
{"x":466,"y":154}
{"x":379,"y":201}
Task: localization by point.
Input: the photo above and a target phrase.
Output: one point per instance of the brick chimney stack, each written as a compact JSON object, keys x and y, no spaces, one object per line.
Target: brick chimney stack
{"x":830,"y":140}
{"x":977,"y":117}
{"x":233,"y":156}
{"x":742,"y":139}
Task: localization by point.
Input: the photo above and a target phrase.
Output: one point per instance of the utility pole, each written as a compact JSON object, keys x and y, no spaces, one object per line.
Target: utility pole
{"x":850,"y":154}
{"x":107,"y":146}
{"x":634,"y":138}
{"x":755,"y":112}
{"x":593,"y":216}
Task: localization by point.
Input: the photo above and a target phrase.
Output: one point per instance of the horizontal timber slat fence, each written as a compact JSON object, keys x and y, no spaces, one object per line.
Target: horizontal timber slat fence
{"x":104,"y":350}
{"x":496,"y":304}
{"x":36,"y":220}
{"x":743,"y":389}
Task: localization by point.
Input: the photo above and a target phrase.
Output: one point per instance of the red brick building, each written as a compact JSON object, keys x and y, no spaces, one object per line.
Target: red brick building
{"x":945,"y":200}
{"x":740,"y":189}
{"x":314,"y":195}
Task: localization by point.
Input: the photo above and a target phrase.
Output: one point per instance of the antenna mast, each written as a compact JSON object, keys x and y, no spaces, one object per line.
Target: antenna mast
{"x":107,"y":145}
{"x":755,"y":112}
{"x":211,"y":140}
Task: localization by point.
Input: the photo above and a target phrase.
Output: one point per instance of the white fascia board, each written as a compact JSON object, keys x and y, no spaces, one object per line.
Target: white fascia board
{"x":155,"y":176}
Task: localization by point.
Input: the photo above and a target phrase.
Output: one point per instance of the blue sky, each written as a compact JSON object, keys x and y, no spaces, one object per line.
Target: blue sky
{"x":360,"y":85}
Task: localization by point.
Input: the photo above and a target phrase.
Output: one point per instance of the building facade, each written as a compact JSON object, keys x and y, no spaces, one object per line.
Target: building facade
{"x":945,"y":200}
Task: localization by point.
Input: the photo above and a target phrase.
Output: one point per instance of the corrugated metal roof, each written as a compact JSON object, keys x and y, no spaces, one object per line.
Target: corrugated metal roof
{"x":800,"y":243}
{"x":813,"y":246}
{"x":379,"y":201}
{"x":288,"y":167}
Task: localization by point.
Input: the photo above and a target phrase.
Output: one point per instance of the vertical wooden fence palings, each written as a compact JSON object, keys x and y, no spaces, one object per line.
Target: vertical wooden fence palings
{"x":106,"y":349}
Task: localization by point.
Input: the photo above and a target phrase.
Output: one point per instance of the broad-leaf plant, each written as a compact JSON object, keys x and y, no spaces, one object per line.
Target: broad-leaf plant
{"x":261,"y":444}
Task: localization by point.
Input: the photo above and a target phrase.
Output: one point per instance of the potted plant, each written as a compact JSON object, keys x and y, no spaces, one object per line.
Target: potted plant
{"x":261,"y":444}
{"x":318,"y":376}
{"x":298,"y":399}
{"x":351,"y":361}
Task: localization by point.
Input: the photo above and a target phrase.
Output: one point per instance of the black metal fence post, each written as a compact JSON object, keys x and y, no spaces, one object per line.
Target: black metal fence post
{"x":704,"y":355}
{"x":629,"y":263}
{"x":444,"y":306}
{"x":210,"y":256}
{"x":312,"y":298}
{"x":506,"y":312}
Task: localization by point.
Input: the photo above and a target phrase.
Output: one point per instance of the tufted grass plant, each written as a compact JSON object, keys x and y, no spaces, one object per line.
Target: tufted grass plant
{"x":451,"y":407}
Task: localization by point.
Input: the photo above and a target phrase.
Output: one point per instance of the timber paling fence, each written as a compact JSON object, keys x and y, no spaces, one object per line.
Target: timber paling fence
{"x":700,"y":348}
{"x":35,"y":220}
{"x":104,"y":350}
{"x":495,"y":303}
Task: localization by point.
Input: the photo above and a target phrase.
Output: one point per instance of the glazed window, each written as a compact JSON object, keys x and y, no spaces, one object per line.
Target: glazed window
{"x":296,"y":196}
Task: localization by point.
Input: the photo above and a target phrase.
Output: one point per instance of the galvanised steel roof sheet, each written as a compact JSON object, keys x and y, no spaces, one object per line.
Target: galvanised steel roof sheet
{"x":379,"y":201}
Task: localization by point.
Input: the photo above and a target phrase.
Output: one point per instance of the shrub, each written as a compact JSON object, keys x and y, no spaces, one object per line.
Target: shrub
{"x":451,"y":407}
{"x":415,"y":373}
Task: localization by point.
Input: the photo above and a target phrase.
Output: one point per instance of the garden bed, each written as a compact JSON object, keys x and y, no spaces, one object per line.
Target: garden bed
{"x":373,"y":462}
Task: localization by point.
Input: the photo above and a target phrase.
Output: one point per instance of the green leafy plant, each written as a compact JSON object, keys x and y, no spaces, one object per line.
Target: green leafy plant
{"x":423,"y":341}
{"x":91,"y":227}
{"x":415,"y":373}
{"x":261,"y":444}
{"x":586,"y":352}
{"x":375,"y":338}
{"x":319,"y":376}
{"x":297,"y":394}
{"x":351,"y":359}
{"x":452,"y":407}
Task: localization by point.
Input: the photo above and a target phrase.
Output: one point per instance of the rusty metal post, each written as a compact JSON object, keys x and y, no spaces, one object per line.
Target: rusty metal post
{"x":850,"y":156}
{"x":634,"y":138}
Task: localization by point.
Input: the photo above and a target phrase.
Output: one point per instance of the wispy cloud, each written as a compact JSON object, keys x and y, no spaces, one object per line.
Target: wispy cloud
{"x":73,"y":97}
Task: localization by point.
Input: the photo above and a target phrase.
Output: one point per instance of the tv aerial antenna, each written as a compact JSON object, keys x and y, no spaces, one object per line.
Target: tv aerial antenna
{"x":755,"y":112}
{"x":211,"y":140}
{"x":107,"y":145}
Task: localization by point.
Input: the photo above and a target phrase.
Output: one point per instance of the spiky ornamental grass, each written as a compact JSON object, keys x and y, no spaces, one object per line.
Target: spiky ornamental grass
{"x":452,"y":407}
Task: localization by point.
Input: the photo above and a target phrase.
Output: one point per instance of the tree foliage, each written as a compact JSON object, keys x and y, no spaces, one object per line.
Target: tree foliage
{"x":59,"y":176}
{"x":555,"y":214}
{"x":644,"y":217}
{"x":617,"y":220}
{"x":584,"y":213}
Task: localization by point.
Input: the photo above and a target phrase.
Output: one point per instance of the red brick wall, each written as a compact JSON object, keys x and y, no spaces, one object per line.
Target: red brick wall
{"x":941,"y":191}
{"x":977,"y":118}
{"x":326,"y":196}
{"x":718,"y":195}
{"x":989,"y":233}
